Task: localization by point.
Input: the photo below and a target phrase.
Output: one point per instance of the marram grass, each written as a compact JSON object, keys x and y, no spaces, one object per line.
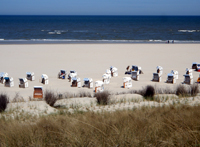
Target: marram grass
{"x":162,"y":126}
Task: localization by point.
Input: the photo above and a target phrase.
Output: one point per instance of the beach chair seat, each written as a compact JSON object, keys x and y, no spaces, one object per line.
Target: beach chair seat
{"x":38,"y":92}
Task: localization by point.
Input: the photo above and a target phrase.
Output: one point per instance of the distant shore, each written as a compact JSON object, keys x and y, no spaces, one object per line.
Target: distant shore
{"x":67,"y":41}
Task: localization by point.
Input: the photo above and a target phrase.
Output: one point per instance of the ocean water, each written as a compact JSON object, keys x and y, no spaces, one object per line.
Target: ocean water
{"x":103,"y":29}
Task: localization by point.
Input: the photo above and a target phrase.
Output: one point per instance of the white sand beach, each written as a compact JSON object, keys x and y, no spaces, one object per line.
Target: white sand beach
{"x":92,"y":60}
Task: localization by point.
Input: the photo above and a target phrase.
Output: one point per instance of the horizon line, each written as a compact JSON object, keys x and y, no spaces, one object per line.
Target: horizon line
{"x":84,"y":15}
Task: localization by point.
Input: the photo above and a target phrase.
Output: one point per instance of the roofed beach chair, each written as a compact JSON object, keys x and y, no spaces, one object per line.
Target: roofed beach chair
{"x":172,"y":77}
{"x":72,"y":74}
{"x":188,"y":77}
{"x":2,"y":75}
{"x":76,"y":82}
{"x":127,"y":82}
{"x":114,"y":71}
{"x":9,"y":82}
{"x":88,"y":82}
{"x":99,"y":86}
{"x":106,"y":78}
{"x":38,"y":92}
{"x":62,"y":74}
{"x":30,"y":76}
{"x":157,"y":76}
{"x":23,"y":83}
{"x":44,"y":79}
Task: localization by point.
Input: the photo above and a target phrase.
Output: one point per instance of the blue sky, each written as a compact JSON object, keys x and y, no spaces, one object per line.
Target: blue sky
{"x":99,"y":7}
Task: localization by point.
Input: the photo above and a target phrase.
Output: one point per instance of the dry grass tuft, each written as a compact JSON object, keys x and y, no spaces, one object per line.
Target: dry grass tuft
{"x":162,"y":126}
{"x":181,"y":90}
{"x":17,"y":98}
{"x":194,"y":89}
{"x":84,"y":94}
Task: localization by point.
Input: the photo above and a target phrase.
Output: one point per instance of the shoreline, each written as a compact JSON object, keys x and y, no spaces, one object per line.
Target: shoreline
{"x":51,"y":41}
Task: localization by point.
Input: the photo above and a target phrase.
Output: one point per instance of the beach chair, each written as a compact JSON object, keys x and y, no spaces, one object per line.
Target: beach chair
{"x":72,"y":74}
{"x":127,"y":82}
{"x":88,"y":82}
{"x":128,"y":70}
{"x":2,"y":75}
{"x":135,"y":75}
{"x":62,"y":74}
{"x":44,"y":79}
{"x":108,"y":72}
{"x":198,"y":68}
{"x":188,"y":71}
{"x":137,"y":69}
{"x":198,"y":80}
{"x":30,"y":76}
{"x":188,"y":77}
{"x":38,"y":92}
{"x":171,"y":78}
{"x":106,"y":78}
{"x":23,"y":83}
{"x":175,"y":73}
{"x":194,"y":65}
{"x":157,"y":76}
{"x":9,"y":82}
{"x":76,"y":82}
{"x":99,"y":86}
{"x":114,"y":71}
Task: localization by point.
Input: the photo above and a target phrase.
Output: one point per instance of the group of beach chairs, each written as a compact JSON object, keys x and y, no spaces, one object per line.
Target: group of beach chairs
{"x":172,"y":77}
{"x":88,"y":82}
{"x":134,"y":72}
{"x":23,"y":82}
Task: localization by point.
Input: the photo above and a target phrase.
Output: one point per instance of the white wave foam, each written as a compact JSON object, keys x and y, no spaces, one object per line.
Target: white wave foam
{"x":51,"y":32}
{"x":1,"y":39}
{"x":80,"y":31}
{"x":189,"y":31}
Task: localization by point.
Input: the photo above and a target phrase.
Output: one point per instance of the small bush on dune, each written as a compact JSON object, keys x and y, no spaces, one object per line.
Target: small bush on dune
{"x":181,"y":90}
{"x":50,"y":97}
{"x":4,"y":100}
{"x":102,"y":97}
{"x":149,"y":91}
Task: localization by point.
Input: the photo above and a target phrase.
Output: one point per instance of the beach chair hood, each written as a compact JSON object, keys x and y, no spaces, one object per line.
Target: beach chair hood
{"x":3,"y":74}
{"x":9,"y":78}
{"x":23,"y":79}
{"x":76,"y":79}
{"x":126,"y":79}
{"x":159,"y":67}
{"x":88,"y":79}
{"x":30,"y":73}
{"x":98,"y":83}
{"x":105,"y":76}
{"x":44,"y":76}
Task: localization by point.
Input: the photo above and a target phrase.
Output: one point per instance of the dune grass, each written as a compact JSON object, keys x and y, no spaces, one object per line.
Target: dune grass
{"x":162,"y":126}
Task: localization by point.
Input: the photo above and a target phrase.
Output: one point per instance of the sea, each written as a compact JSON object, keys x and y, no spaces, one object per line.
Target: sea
{"x":99,"y":29}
